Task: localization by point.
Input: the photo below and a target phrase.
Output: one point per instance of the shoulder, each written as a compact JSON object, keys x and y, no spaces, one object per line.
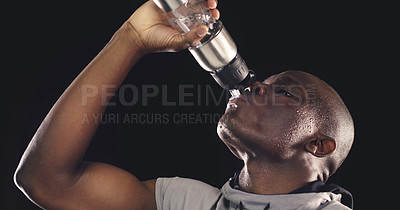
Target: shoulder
{"x":178,"y":185}
{"x":184,"y":184}
{"x":184,"y":193}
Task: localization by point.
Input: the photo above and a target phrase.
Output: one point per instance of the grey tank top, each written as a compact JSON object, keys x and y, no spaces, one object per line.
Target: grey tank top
{"x":183,"y":193}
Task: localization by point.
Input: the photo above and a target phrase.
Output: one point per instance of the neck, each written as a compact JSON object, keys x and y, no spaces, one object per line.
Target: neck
{"x":270,"y":179}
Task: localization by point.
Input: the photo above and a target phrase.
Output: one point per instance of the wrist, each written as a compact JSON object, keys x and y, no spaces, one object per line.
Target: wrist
{"x":134,"y":38}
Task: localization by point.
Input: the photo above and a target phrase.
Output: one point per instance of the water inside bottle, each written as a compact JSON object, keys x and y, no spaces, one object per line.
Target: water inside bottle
{"x":185,"y":23}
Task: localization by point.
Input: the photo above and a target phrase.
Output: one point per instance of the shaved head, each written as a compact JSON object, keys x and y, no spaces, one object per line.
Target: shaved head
{"x":332,"y":118}
{"x":292,"y":117}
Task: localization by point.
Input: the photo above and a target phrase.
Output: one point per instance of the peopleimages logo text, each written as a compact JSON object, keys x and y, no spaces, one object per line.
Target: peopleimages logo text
{"x":131,"y":95}
{"x":186,"y":95}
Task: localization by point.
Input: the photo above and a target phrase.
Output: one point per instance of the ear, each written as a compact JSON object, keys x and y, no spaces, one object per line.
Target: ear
{"x":321,"y":147}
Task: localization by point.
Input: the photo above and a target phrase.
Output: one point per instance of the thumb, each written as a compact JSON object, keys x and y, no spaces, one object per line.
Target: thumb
{"x":190,"y":39}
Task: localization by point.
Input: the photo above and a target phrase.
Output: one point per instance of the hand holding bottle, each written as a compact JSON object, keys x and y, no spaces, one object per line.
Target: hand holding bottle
{"x":216,"y":52}
{"x":155,"y":34}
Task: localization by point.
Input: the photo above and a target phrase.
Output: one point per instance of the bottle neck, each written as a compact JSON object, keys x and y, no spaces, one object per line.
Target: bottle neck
{"x":235,"y":75}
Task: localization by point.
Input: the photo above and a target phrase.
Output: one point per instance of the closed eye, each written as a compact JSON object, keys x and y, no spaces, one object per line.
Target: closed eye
{"x":284,"y":93}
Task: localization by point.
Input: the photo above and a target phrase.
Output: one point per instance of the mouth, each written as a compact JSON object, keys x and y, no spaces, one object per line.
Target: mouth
{"x":241,"y":97}
{"x":235,"y":102}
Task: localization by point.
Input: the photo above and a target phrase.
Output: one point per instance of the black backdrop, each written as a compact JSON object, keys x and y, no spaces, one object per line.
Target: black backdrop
{"x":47,"y":43}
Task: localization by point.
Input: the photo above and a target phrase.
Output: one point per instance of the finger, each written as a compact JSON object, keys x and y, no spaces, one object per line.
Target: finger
{"x":191,"y":39}
{"x":194,"y":36}
{"x":215,"y":13}
{"x":212,"y":4}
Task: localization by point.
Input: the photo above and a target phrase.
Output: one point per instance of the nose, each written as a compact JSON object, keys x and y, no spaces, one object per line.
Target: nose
{"x":258,"y":88}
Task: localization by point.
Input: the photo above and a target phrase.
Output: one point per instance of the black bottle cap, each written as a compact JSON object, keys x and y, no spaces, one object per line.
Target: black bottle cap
{"x":235,"y":75}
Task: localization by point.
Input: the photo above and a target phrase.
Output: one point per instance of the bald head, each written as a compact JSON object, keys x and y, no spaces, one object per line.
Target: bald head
{"x":290,"y":116}
{"x":332,"y":118}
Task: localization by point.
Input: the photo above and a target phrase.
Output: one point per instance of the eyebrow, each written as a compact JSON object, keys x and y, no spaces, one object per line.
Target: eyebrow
{"x":288,"y":80}
{"x":285,"y":80}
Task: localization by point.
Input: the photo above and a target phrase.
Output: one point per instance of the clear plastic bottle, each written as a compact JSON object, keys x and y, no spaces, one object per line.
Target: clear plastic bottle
{"x":216,"y":52}
{"x":189,"y":15}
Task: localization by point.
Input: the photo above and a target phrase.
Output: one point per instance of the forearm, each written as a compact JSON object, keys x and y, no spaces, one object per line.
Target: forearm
{"x":59,"y":144}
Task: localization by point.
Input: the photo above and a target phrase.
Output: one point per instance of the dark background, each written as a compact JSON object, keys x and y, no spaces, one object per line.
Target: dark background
{"x":47,"y":43}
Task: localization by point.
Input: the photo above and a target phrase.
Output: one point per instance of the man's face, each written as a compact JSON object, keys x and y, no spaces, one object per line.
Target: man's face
{"x":272,"y":118}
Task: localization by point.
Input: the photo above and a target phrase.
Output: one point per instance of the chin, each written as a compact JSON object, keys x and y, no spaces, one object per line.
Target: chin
{"x":227,"y":123}
{"x":229,"y":139}
{"x":231,"y":128}
{"x":222,"y":129}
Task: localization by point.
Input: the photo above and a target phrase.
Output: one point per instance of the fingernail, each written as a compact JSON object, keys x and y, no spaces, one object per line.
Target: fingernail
{"x":213,"y":5}
{"x":201,"y":32}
